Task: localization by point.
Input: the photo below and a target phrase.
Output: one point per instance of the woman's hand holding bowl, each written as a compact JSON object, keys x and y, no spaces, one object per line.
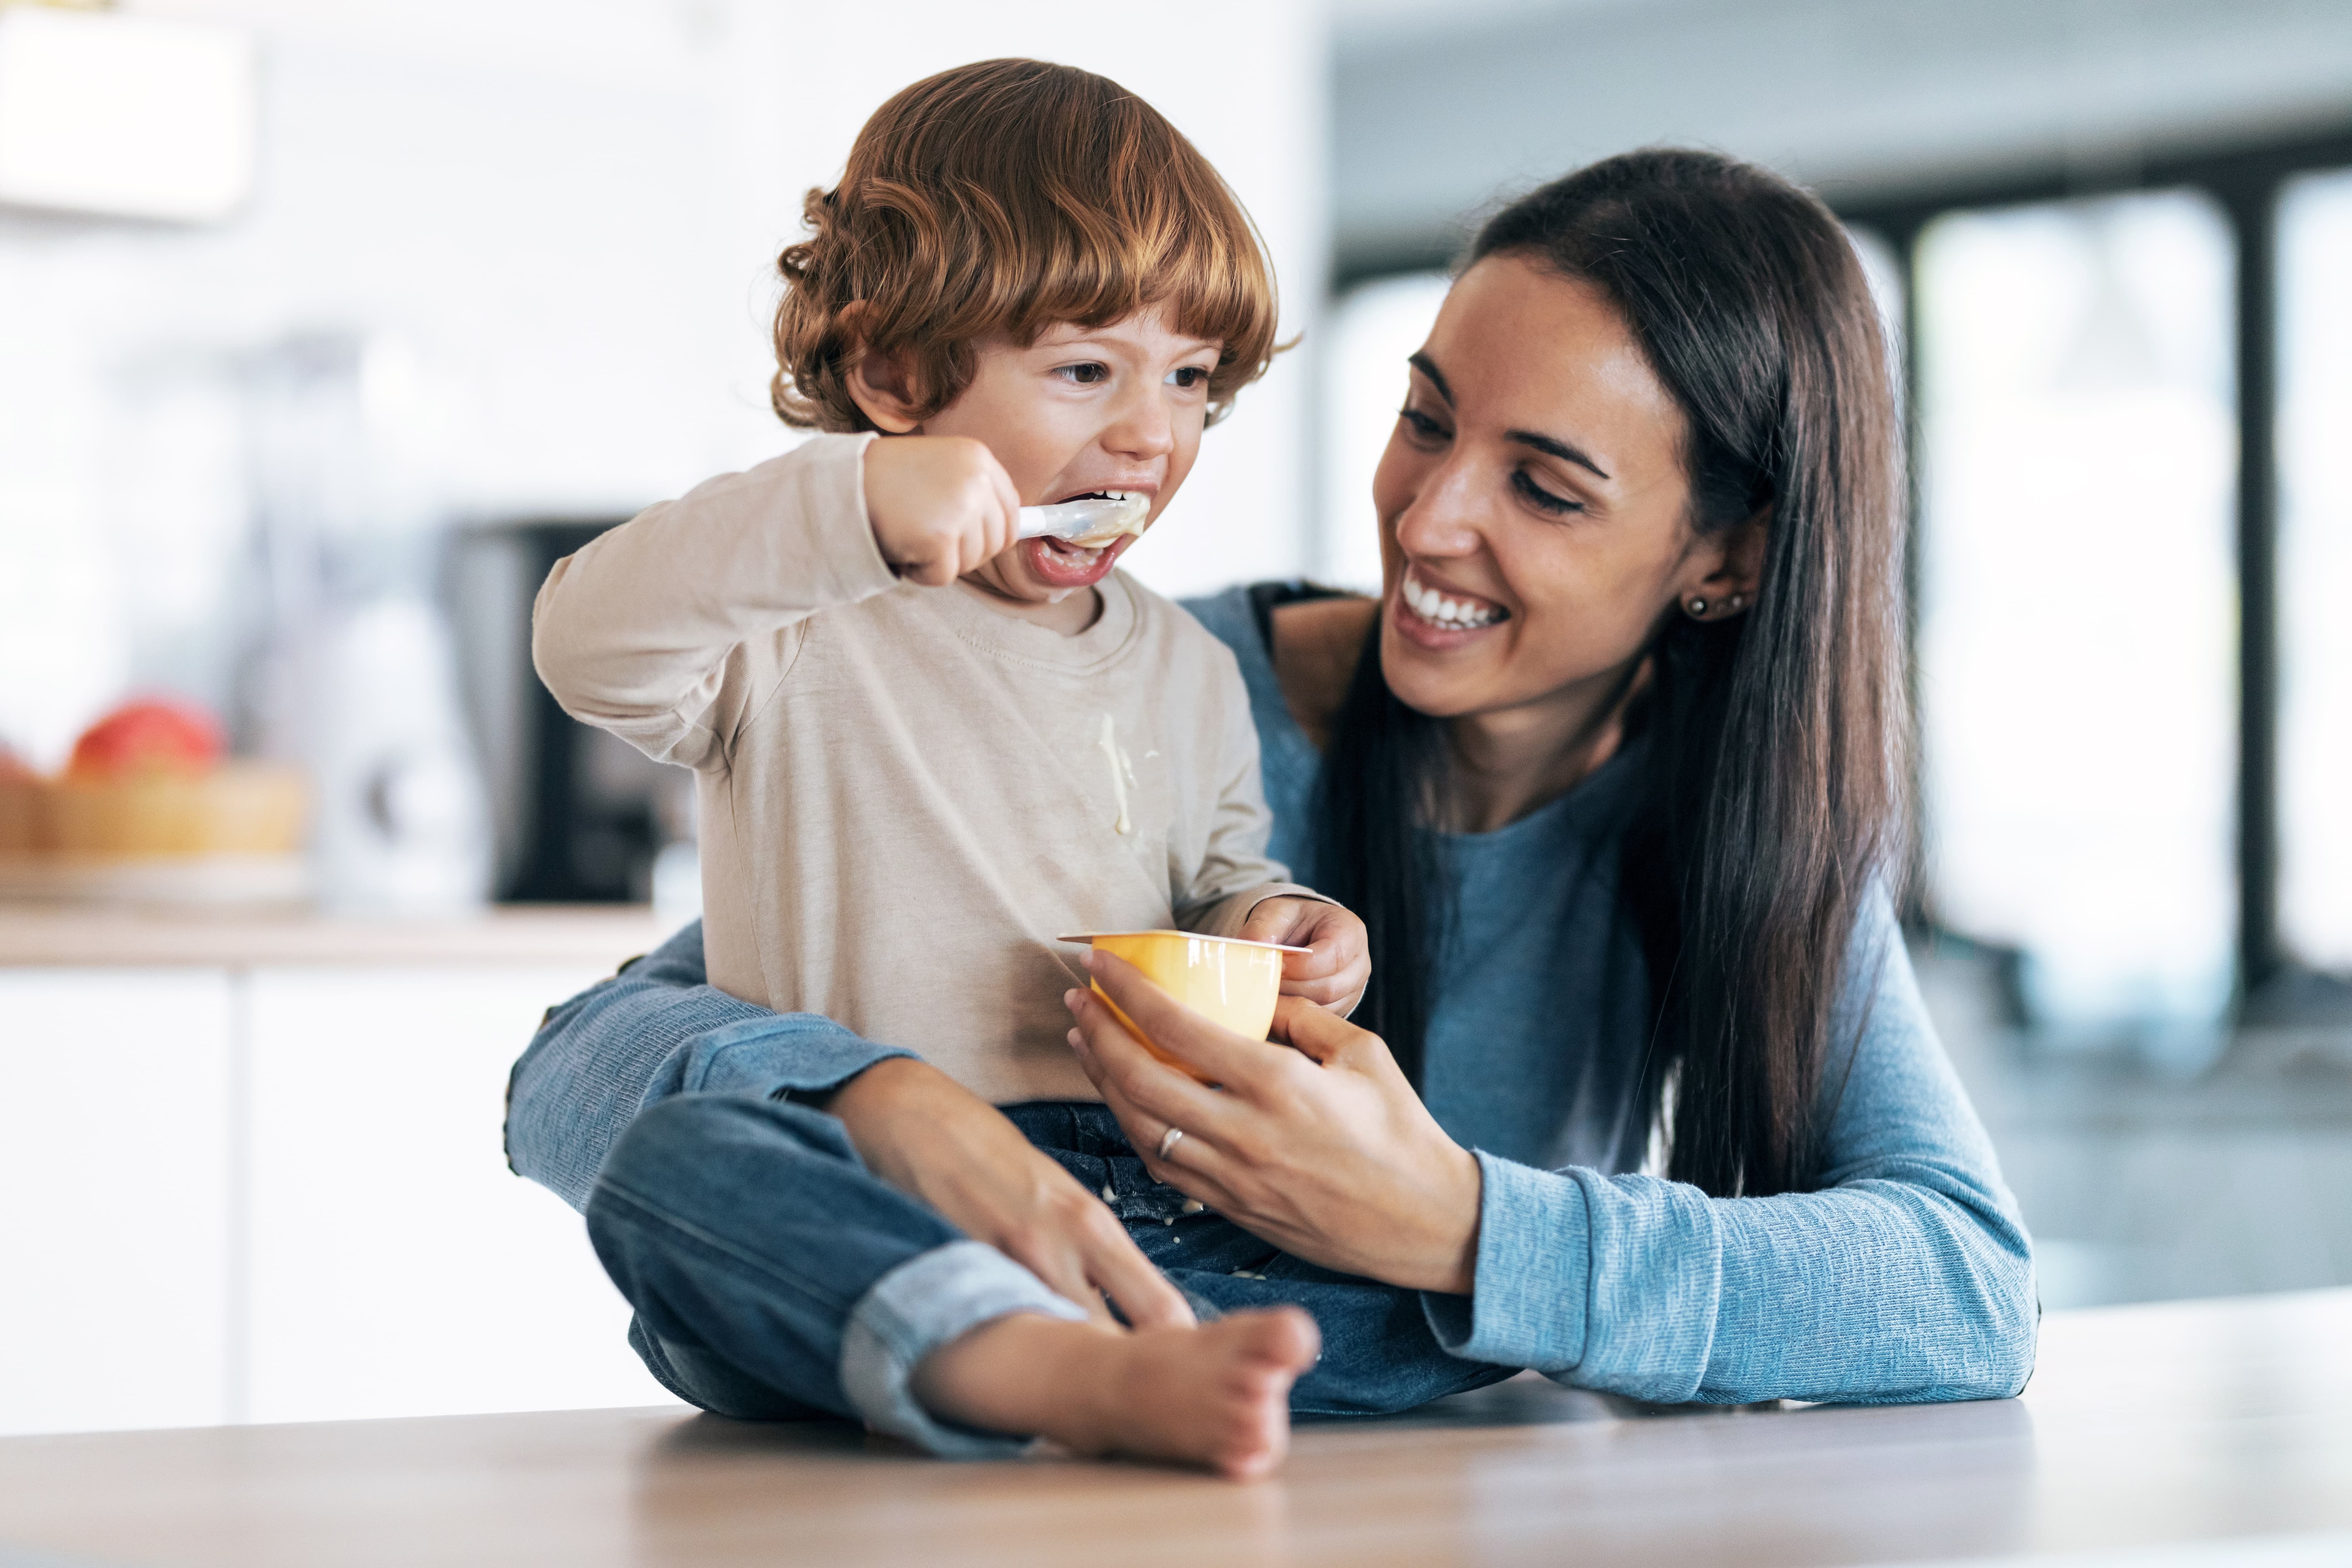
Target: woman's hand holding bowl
{"x":1314,"y":1141}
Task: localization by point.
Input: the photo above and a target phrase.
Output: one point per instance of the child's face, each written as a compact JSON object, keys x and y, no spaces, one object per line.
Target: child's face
{"x":1080,"y":411}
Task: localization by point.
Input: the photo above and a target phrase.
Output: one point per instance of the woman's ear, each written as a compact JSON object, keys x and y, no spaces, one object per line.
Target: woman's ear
{"x":880,"y":384}
{"x":1733,"y":565}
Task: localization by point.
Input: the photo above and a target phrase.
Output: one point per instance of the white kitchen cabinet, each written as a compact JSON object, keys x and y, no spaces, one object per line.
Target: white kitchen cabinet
{"x":116,"y":1230}
{"x":397,"y":1266}
{"x":251,"y":1170}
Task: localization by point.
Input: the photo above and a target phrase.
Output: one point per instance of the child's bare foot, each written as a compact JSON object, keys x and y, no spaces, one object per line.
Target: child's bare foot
{"x":1217,"y":1396}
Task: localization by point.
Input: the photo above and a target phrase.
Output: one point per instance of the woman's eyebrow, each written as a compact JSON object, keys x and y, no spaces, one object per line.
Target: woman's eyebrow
{"x":1555,"y":448}
{"x":1550,"y":444}
{"x":1428,"y":367}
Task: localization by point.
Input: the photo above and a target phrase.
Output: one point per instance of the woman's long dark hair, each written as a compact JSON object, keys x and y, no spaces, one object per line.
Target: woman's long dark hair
{"x":1776,"y":741}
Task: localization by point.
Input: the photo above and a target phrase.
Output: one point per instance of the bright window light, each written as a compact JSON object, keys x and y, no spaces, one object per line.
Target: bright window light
{"x":2079,"y":600}
{"x":1370,"y":331}
{"x":2314,"y":565}
{"x":125,"y":116}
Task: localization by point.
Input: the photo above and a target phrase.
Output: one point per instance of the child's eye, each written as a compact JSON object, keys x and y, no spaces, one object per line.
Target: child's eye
{"x":1188,"y":377}
{"x":1087,"y":372}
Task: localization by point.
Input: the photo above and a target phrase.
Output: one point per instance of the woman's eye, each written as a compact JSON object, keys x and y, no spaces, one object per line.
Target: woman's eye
{"x":1188,"y":377}
{"x":1086,"y":374}
{"x":1422,"y":424}
{"x":1541,"y":499}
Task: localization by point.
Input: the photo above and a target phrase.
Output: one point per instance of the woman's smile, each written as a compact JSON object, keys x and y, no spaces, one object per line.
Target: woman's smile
{"x":1438,"y":615}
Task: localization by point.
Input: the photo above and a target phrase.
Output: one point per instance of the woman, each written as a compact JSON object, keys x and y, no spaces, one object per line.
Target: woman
{"x":1614,"y":770}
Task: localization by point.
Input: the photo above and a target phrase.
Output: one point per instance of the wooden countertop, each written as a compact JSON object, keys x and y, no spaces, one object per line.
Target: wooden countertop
{"x":2213,"y":1428}
{"x":65,"y":936}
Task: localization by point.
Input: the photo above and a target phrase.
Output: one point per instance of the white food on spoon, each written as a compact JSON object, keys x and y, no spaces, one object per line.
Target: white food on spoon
{"x":1436,"y":608}
{"x":1093,"y":521}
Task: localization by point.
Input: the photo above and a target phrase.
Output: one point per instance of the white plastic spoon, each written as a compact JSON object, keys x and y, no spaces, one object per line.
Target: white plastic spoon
{"x":1092,"y":521}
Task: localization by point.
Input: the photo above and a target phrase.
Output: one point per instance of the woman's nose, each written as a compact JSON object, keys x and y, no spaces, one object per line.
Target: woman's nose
{"x":1441,"y":518}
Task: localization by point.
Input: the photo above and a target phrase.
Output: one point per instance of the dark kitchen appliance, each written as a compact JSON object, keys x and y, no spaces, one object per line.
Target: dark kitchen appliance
{"x":578,"y":815}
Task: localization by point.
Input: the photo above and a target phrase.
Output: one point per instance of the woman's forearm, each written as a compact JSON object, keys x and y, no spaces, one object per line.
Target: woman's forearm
{"x":892,"y":1109}
{"x":1881,"y":1290}
{"x":1906,"y":1276}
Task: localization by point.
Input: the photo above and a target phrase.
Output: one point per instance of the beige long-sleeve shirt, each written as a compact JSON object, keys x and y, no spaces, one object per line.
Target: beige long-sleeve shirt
{"x":907,"y":795}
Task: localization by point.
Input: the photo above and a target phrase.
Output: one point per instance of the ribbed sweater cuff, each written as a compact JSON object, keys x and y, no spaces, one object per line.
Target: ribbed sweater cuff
{"x":1607,"y":1282}
{"x":1535,"y":1273}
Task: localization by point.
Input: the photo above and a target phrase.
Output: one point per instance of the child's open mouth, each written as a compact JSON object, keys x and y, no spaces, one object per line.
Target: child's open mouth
{"x":1061,"y":564}
{"x":1084,"y":562}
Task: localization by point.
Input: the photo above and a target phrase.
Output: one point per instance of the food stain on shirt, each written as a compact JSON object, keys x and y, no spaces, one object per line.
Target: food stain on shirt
{"x":1122,"y":772}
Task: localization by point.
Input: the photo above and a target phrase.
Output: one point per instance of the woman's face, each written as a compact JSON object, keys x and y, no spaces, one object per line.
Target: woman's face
{"x":1532,"y":501}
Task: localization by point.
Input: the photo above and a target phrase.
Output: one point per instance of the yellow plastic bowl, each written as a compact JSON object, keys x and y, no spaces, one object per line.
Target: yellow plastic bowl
{"x":1229,"y":981}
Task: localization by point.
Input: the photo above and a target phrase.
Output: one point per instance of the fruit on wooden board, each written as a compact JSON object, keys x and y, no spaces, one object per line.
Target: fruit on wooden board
{"x":149,"y":782}
{"x":237,"y":808}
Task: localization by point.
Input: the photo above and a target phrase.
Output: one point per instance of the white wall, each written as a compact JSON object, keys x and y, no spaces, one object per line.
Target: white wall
{"x":561,"y":214}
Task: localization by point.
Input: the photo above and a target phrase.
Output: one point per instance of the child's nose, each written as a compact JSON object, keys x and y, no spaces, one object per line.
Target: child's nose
{"x":1144,"y":427}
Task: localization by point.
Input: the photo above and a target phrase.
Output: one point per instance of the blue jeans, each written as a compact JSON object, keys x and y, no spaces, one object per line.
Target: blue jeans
{"x":774,"y":1279}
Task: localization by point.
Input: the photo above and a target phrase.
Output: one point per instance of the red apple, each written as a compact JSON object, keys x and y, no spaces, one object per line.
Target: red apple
{"x":152,"y":735}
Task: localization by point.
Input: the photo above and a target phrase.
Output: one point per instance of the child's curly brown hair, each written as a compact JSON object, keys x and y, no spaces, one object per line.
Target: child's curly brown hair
{"x":998,"y":199}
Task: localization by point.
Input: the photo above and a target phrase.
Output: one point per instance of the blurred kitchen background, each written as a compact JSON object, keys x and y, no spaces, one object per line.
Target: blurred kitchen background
{"x":326,"y":326}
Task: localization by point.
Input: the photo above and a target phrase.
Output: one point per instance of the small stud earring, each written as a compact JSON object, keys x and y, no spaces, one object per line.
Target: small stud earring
{"x":1696,"y":607}
{"x":1738,"y":601}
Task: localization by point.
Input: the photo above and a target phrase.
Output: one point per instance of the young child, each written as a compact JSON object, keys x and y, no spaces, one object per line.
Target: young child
{"x":927,"y":751}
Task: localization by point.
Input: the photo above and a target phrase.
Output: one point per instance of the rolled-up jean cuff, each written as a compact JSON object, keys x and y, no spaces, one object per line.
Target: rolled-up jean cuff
{"x":927,"y":1301}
